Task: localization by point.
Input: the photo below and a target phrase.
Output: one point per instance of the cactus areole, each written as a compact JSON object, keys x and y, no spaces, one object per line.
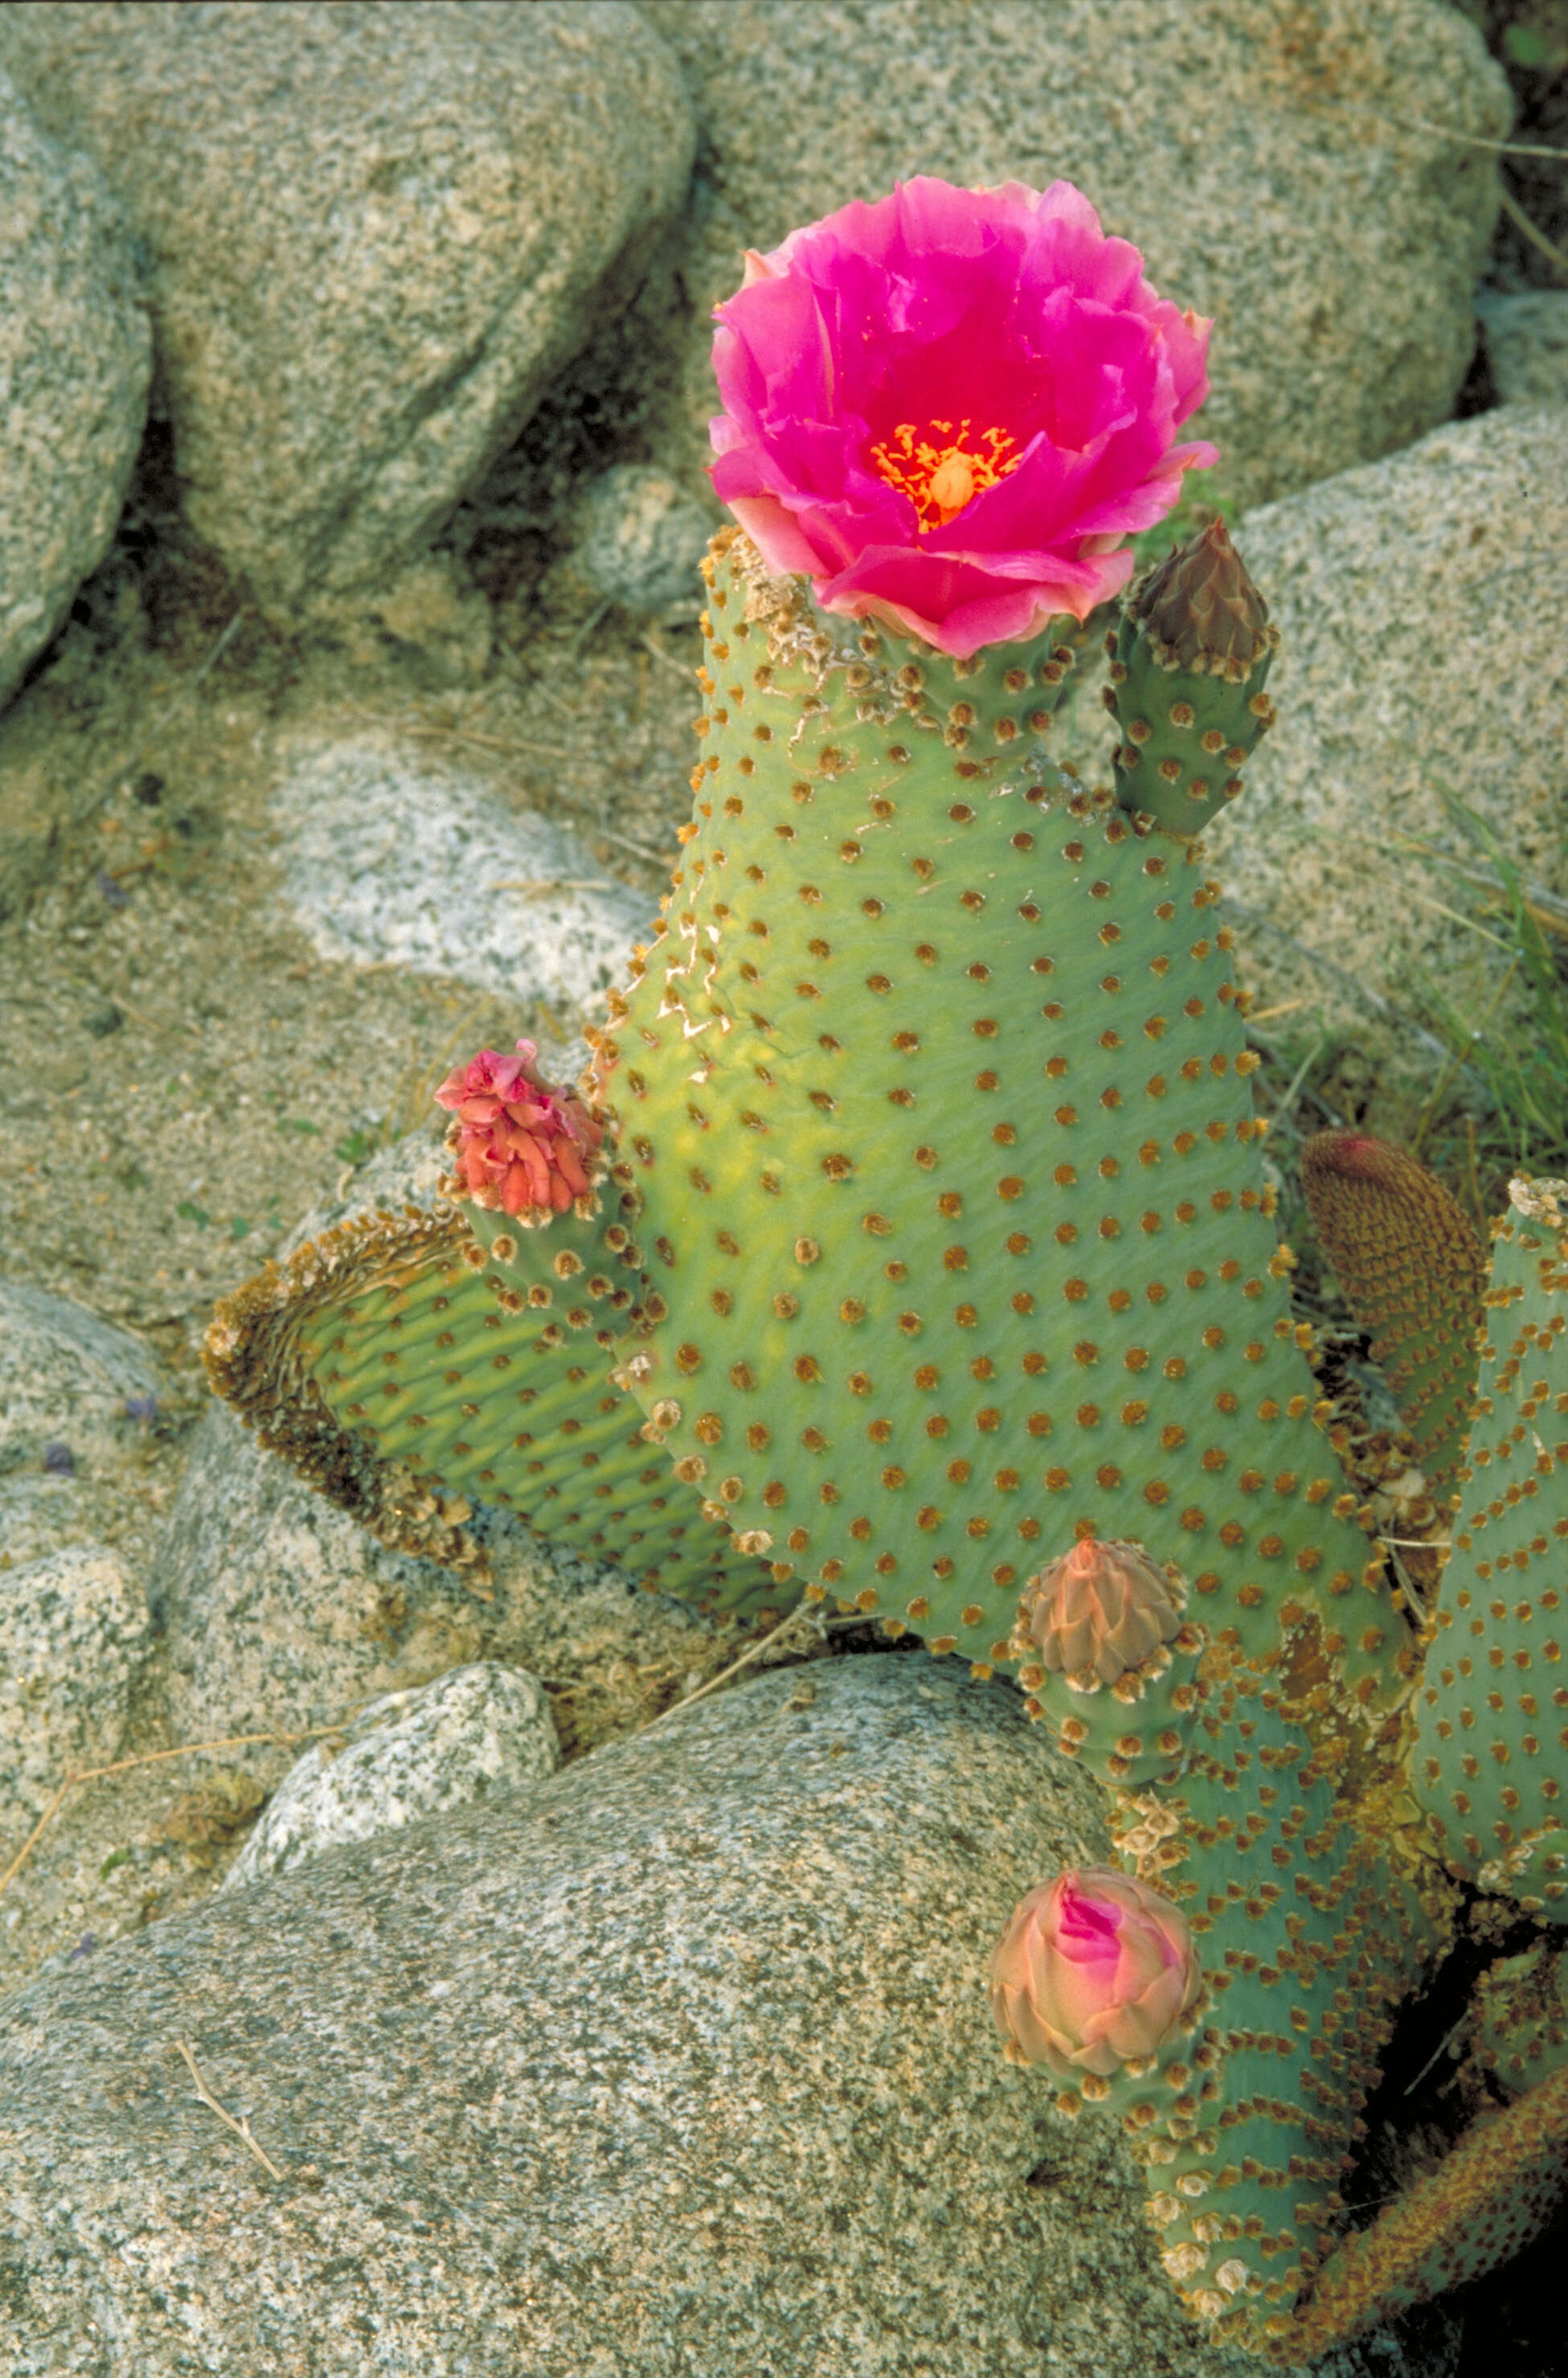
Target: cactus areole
{"x":909,"y":1248}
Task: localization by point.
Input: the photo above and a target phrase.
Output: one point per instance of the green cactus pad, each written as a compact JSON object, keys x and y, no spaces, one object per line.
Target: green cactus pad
{"x":933,"y":1090}
{"x":1491,"y":1759}
{"x":1309,"y":1929}
{"x":1189,"y":664}
{"x":1496,"y":2193}
{"x":404,"y":1365}
{"x":1413,"y":1273}
{"x":1308,"y":1945}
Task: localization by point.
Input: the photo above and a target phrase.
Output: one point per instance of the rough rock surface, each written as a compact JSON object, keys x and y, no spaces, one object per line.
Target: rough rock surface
{"x":1527,"y":344}
{"x":678,"y":2062}
{"x":66,"y":1379}
{"x":375,"y":234}
{"x":472,"y":1736}
{"x":1259,"y":153}
{"x":75,"y":356}
{"x":40,"y":1511}
{"x":279,"y":1611}
{"x":388,"y":861}
{"x":73,"y":1641}
{"x":638,"y":541}
{"x":1423,"y":648}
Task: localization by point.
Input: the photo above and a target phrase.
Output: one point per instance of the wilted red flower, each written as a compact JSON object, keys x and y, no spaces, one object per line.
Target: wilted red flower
{"x":1093,"y":1968}
{"x":949,"y":409}
{"x":522,"y":1148}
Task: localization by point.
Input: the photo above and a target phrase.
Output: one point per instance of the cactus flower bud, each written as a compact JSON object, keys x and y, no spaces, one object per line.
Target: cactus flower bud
{"x":1201,"y":611}
{"x":522,"y":1148}
{"x":1097,"y":1612}
{"x":950,"y":408}
{"x":1093,"y":1968}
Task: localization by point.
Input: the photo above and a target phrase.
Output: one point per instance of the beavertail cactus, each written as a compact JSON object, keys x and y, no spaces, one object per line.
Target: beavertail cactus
{"x":910,"y":1249}
{"x":1490,"y":1717}
{"x":1522,"y":2018}
{"x":1099,"y":1632}
{"x":1188,"y":665}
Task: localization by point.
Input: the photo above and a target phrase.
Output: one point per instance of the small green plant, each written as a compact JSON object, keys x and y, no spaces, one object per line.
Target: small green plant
{"x":1519,"y":1048}
{"x":1539,"y":44}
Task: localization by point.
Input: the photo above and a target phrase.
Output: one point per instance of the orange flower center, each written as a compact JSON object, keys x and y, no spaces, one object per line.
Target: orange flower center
{"x":945,"y":466}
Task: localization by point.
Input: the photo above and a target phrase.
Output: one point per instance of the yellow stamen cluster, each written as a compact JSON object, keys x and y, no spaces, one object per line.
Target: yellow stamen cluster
{"x":939,"y":478}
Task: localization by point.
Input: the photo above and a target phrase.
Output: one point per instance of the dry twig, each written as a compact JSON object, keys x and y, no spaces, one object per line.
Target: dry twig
{"x":241,"y":2129}
{"x":1532,"y":230}
{"x":752,"y":1651}
{"x":146,"y":1758}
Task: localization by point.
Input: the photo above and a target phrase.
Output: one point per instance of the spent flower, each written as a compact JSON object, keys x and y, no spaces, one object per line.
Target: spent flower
{"x":522,"y":1148}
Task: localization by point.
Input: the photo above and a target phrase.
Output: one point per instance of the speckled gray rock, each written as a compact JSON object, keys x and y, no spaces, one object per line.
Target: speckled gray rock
{"x":470,"y":1736}
{"x":390,"y":862}
{"x":1527,"y":344}
{"x":74,"y":1642}
{"x":675,"y":2066}
{"x":376,"y":234}
{"x":40,"y":1511}
{"x":66,"y":1380}
{"x":1417,"y":601}
{"x":75,"y":356}
{"x":640,"y":540}
{"x":1230,"y":139}
{"x":278,"y":1609}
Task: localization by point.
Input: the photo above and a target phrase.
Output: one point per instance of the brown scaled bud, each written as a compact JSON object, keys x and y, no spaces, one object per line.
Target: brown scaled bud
{"x":1201,"y":611}
{"x":1099,"y":1611}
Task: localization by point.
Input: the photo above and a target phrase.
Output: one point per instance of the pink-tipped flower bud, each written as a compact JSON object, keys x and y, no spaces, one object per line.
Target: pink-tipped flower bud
{"x":1093,"y":1968}
{"x":1201,"y":611}
{"x":1101,"y":1610}
{"x":522,"y":1148}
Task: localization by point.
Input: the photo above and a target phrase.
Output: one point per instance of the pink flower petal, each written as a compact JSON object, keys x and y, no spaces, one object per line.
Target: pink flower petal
{"x":953,"y":318}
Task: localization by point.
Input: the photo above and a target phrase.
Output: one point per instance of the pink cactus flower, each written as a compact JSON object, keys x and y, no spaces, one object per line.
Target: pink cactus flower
{"x":522,"y":1148}
{"x":950,"y":408}
{"x":1099,"y":1612}
{"x":1092,"y":1969}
